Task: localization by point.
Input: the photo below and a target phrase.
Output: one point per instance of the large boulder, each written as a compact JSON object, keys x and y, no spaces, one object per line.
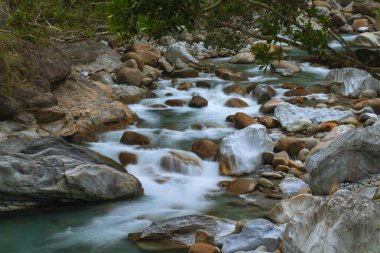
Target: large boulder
{"x":368,"y":39}
{"x":28,"y":74}
{"x":343,"y":222}
{"x":350,"y":157}
{"x":366,"y":7}
{"x":177,"y":233}
{"x":50,"y":170}
{"x":296,"y":119}
{"x":241,"y":151}
{"x":253,"y":234}
{"x":350,"y":81}
{"x":179,"y":51}
{"x":129,"y":76}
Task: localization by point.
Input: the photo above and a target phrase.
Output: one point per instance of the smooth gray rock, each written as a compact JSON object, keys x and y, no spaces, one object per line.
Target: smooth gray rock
{"x":50,"y":169}
{"x":350,"y":81}
{"x":254,"y":234}
{"x":241,"y":152}
{"x":296,"y":119}
{"x":350,"y":157}
{"x":367,"y":39}
{"x":180,"y":232}
{"x":343,"y":222}
{"x":291,"y":185}
{"x":179,"y":51}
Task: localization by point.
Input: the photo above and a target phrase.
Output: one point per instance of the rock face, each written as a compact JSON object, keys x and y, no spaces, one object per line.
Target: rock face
{"x":284,"y":211}
{"x":350,"y":81}
{"x":254,"y":234}
{"x":350,"y":157}
{"x":341,"y":223}
{"x":241,"y":151}
{"x":28,"y":73}
{"x":52,"y":170}
{"x":180,"y":232}
{"x":296,"y":119}
{"x":368,"y":39}
{"x":179,"y":51}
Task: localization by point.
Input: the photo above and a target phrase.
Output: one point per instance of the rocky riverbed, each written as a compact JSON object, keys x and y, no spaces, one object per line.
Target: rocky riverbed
{"x":203,"y":151}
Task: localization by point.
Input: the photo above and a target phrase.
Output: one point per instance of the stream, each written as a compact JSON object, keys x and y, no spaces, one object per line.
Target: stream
{"x":105,"y":227}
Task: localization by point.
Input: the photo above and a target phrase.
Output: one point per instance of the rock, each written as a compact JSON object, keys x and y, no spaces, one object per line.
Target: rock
{"x":263,"y":93}
{"x":133,"y":138}
{"x":292,"y":145}
{"x":236,"y":103}
{"x":242,"y":120}
{"x":373,"y":103}
{"x":175,"y":102}
{"x":367,"y":39}
{"x":359,"y":23}
{"x":241,"y":186}
{"x":326,"y":126}
{"x":267,"y":157}
{"x":368,"y":94}
{"x":46,"y":115}
{"x":179,"y":51}
{"x":133,"y":56}
{"x":302,"y":154}
{"x":365,"y":7}
{"x":268,"y":122}
{"x":50,"y":170}
{"x":323,"y":11}
{"x":321,"y":4}
{"x":350,"y":157}
{"x":296,"y":119}
{"x":284,"y":211}
{"x":205,"y":149}
{"x":299,"y":91}
{"x":204,"y":236}
{"x":236,"y":89}
{"x":203,"y":84}
{"x":131,"y":63}
{"x":151,"y":72}
{"x":130,"y":94}
{"x":366,"y":116}
{"x":281,"y":158}
{"x":167,"y":41}
{"x":265,"y":183}
{"x":181,"y":162}
{"x":129,"y":76}
{"x":185,"y":86}
{"x":241,"y":151}
{"x":283,"y":168}
{"x":270,"y":105}
{"x":198,"y":102}
{"x":290,"y":186}
{"x":127,"y":158}
{"x":243,"y":58}
{"x":165,"y":65}
{"x":149,"y":54}
{"x":177,"y":233}
{"x":338,"y":20}
{"x":203,"y":248}
{"x":254,"y":234}
{"x":185,"y":73}
{"x":230,"y":75}
{"x":350,"y":81}
{"x":46,"y":68}
{"x":283,"y":64}
{"x":331,"y":225}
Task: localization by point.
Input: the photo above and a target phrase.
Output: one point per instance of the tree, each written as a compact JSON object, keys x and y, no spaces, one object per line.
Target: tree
{"x":230,"y":23}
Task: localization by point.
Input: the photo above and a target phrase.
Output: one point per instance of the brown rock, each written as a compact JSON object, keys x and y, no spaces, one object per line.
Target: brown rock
{"x":228,"y":74}
{"x":203,"y":84}
{"x":242,"y":120}
{"x":49,"y":114}
{"x":184,"y":73}
{"x":326,"y":126}
{"x":131,"y":63}
{"x":281,"y":158}
{"x":296,"y":172}
{"x":205,"y":149}
{"x":282,"y":168}
{"x":265,"y":183}
{"x":299,"y":91}
{"x":374,"y":103}
{"x":203,"y":248}
{"x":149,"y":54}
{"x":283,"y":64}
{"x":361,"y":22}
{"x":297,"y":165}
{"x":132,"y":55}
{"x":268,"y":122}
{"x":133,"y":138}
{"x":202,"y":236}
{"x":334,"y":188}
{"x":127,"y":158}
{"x":322,"y":4}
{"x":178,"y":162}
{"x":129,"y":76}
{"x":270,"y":105}
{"x":241,"y":186}
{"x":293,"y":145}
{"x":236,"y":103}
{"x":185,"y":86}
{"x":198,"y":102}
{"x":175,"y":102}
{"x":235,"y":90}
{"x":302,"y":154}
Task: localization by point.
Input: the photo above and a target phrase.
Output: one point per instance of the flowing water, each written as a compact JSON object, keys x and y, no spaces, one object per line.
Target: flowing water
{"x":104,"y":227}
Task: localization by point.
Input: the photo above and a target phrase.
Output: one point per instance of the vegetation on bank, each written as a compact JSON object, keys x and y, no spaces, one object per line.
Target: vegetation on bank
{"x":229,"y":24}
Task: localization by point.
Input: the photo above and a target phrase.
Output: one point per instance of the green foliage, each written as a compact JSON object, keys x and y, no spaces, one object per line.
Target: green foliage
{"x":154,"y":18}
